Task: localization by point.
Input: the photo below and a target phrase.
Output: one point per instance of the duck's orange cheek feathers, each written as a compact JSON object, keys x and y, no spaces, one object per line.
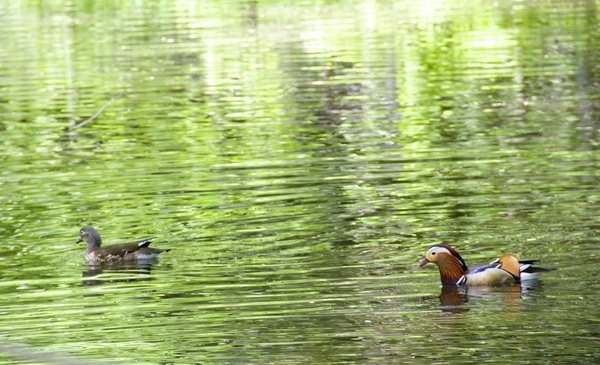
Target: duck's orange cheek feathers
{"x":424,"y":262}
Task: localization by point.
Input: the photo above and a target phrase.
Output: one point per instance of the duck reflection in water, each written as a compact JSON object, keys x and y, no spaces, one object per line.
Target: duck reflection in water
{"x":121,"y":272}
{"x":453,"y":298}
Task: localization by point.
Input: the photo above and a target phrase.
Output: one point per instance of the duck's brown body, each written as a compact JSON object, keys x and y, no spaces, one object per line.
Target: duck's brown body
{"x":121,"y":252}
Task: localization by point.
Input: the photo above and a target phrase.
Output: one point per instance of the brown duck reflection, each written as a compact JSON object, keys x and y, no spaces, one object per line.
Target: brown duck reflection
{"x":453,"y":297}
{"x":133,"y":271}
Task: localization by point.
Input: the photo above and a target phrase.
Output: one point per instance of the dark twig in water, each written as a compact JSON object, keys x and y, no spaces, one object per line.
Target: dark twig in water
{"x":93,"y":116}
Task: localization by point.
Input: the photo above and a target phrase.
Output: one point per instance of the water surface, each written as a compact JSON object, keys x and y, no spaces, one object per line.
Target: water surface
{"x":298,"y":160}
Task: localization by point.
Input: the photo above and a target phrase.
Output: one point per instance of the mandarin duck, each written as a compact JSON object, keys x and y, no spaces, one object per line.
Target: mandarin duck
{"x":138,"y":250}
{"x":505,"y":270}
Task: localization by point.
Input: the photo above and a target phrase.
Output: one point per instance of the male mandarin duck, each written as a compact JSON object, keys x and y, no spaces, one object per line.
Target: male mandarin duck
{"x":138,"y":250}
{"x":506,"y":270}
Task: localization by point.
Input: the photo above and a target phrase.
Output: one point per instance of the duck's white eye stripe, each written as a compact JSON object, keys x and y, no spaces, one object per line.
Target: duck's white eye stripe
{"x":436,"y":250}
{"x":444,"y":250}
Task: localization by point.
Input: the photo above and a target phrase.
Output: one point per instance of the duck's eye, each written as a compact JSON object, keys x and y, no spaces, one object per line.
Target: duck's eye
{"x":433,"y":253}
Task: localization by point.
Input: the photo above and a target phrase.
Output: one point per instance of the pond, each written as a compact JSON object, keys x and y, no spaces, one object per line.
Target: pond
{"x":298,"y":160}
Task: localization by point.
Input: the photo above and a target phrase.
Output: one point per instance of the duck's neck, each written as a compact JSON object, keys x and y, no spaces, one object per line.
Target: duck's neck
{"x":91,"y":246}
{"x":451,"y":270}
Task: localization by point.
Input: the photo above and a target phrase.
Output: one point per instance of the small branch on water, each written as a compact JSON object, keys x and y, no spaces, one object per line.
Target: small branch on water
{"x":68,"y":129}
